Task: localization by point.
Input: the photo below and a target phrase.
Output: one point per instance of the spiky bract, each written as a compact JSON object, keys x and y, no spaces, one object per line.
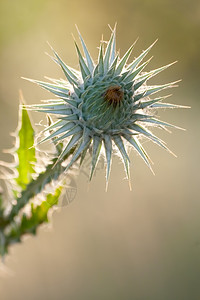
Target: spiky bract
{"x":105,"y":103}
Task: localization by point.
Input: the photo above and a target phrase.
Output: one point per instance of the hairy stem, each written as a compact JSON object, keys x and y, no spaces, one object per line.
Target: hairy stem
{"x":35,"y":187}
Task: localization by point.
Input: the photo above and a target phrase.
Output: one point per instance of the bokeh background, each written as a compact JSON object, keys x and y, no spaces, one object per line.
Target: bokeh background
{"x":141,"y":245}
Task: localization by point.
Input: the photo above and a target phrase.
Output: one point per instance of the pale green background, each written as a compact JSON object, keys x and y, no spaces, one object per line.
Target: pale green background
{"x":141,"y":245}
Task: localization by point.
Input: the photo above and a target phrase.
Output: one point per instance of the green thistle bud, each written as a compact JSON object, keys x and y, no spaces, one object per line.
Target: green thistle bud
{"x":104,"y":104}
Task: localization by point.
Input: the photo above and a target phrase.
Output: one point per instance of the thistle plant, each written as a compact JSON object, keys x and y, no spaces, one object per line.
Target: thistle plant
{"x":104,"y":109}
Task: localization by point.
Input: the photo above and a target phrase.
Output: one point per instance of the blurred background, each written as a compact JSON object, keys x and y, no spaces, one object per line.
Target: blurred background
{"x":143,"y":244}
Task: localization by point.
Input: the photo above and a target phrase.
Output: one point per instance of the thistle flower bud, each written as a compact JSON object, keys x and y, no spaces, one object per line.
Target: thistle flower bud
{"x":104,"y":104}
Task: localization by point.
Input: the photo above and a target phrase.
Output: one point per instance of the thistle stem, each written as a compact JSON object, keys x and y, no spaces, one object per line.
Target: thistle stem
{"x":35,"y":187}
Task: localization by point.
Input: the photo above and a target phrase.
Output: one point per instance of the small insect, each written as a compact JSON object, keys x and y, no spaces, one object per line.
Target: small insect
{"x":114,"y":95}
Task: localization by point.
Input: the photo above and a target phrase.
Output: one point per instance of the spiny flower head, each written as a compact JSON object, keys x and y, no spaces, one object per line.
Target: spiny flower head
{"x":106,"y":103}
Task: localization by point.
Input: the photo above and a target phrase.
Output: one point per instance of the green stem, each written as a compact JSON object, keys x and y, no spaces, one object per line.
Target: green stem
{"x":35,"y":187}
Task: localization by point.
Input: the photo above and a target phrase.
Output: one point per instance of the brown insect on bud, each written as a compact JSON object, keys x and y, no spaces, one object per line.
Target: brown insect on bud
{"x":114,"y":95}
